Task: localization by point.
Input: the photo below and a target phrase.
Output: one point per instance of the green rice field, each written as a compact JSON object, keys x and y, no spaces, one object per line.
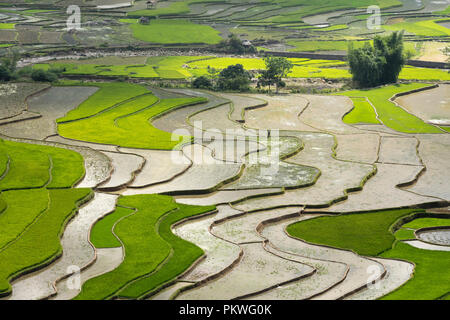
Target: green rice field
{"x":155,"y":151}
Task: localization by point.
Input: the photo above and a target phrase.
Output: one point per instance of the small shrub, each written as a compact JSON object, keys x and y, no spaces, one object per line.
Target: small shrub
{"x":43,"y":76}
{"x":122,"y":78}
{"x":25,"y":72}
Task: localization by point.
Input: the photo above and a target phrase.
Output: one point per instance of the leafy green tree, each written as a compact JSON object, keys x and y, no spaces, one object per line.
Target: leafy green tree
{"x":235,"y":45}
{"x":5,"y":75}
{"x":378,"y":64}
{"x":391,"y":49}
{"x":44,"y":76}
{"x":10,"y":60}
{"x":213,"y":74}
{"x":202,"y":82}
{"x":446,"y":51}
{"x":50,"y":75}
{"x":8,"y":66}
{"x":277,"y":68}
{"x":25,"y":72}
{"x":266,"y":79}
{"x":234,"y":78}
{"x":365,"y":66}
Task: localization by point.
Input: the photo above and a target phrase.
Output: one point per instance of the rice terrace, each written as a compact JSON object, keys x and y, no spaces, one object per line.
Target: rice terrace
{"x":224,"y":150}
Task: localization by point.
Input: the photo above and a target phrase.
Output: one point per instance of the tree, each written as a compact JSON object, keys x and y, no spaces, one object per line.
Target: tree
{"x":266,"y":79}
{"x":5,"y":75}
{"x":202,"y":83}
{"x":49,"y":75}
{"x":235,"y":45}
{"x":365,"y":66}
{"x":213,"y":72}
{"x":446,"y":51}
{"x":9,"y":70}
{"x":391,"y":49}
{"x":44,"y":76}
{"x":277,"y":68}
{"x":380,"y":63}
{"x":235,"y":78}
{"x":8,"y":66}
